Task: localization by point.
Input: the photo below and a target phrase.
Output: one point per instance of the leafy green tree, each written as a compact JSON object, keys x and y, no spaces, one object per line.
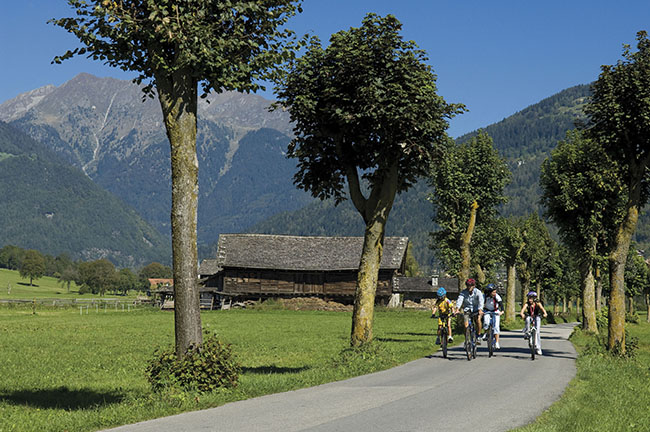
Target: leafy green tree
{"x":175,"y":46}
{"x":468,"y":185}
{"x":126,"y":281}
{"x":11,"y":257}
{"x":32,"y":266}
{"x":536,"y":251}
{"x":512,"y":243}
{"x":582,"y":190}
{"x":619,"y":119}
{"x":636,"y":275}
{"x":98,"y":276}
{"x":364,"y":109}
{"x":67,"y":276}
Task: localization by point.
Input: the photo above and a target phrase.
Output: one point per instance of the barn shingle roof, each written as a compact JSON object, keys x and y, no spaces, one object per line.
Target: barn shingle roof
{"x":280,"y":252}
{"x":209,"y":266}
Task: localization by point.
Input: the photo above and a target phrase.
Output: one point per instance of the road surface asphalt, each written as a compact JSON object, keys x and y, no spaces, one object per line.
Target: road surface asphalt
{"x":429,"y":394}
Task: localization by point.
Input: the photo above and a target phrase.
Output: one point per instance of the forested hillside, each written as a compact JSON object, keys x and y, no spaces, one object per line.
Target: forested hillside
{"x":525,"y":139}
{"x":103,"y":127}
{"x":53,"y":207}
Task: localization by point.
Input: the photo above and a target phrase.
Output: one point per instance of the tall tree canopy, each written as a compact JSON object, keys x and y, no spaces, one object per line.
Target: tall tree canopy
{"x":619,"y":119}
{"x":32,"y":266}
{"x":174,"y":46}
{"x":582,"y":190}
{"x":365,"y":109}
{"x":468,"y":185}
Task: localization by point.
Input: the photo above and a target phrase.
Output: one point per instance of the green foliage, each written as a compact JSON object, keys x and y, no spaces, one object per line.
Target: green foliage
{"x":223,"y":45}
{"x":205,"y":368}
{"x":98,"y":276}
{"x":55,"y":208}
{"x":32,"y":266}
{"x":637,"y":275}
{"x":367,"y":102}
{"x":583,"y":193}
{"x":469,"y":172}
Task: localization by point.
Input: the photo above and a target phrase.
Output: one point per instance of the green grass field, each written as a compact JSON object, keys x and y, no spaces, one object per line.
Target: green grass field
{"x":66,"y":370}
{"x":62,"y":370}
{"x":13,"y":287}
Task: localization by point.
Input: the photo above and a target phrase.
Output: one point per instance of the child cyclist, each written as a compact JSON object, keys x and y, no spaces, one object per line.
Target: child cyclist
{"x":532,"y":312}
{"x":493,"y":304}
{"x":446,"y":309}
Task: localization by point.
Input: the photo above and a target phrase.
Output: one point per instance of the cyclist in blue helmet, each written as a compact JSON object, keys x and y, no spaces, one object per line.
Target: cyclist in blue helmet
{"x":446,"y":308}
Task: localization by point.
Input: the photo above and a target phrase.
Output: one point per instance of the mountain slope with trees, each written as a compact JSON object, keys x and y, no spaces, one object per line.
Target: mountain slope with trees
{"x":53,"y":207}
{"x":525,"y":139}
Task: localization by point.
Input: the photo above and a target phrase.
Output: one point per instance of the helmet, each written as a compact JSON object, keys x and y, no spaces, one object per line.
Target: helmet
{"x":490,"y":287}
{"x":442,"y":292}
{"x":532,"y":294}
{"x":470,"y":282}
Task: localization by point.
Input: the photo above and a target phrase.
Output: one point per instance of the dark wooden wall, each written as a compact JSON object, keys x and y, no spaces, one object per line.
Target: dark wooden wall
{"x":270,"y":282}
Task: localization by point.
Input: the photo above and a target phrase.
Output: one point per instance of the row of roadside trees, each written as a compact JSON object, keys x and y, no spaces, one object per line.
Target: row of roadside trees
{"x":97,"y":277}
{"x":366,"y":113}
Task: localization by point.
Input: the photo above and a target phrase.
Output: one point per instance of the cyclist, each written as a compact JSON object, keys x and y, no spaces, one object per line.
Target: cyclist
{"x":446,"y":308}
{"x":533,"y":311}
{"x":493,"y":303}
{"x":470,"y":301}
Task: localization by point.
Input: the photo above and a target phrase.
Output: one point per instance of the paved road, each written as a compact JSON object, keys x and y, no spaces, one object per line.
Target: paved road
{"x":430,"y":394}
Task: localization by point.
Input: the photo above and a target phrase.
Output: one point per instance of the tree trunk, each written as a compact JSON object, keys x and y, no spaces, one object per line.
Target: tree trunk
{"x":617,"y":260}
{"x":632,"y":310}
{"x":538,"y":288}
{"x":564,"y":304}
{"x":599,"y":290}
{"x":588,"y":293}
{"x":647,"y":306}
{"x":374,"y":210}
{"x":480,"y":275}
{"x":178,"y":99}
{"x":465,"y":253}
{"x":510,"y":292}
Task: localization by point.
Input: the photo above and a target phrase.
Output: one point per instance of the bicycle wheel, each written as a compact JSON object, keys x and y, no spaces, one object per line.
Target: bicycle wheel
{"x":468,"y":343}
{"x":533,"y":340}
{"x":490,"y":341}
{"x":443,"y":343}
{"x":474,"y":343}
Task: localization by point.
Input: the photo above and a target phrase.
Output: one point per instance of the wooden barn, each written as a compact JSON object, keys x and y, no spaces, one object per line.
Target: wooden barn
{"x":262,"y":266}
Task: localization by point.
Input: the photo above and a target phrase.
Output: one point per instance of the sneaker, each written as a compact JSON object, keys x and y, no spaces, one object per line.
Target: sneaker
{"x":478,"y":340}
{"x":539,"y":351}
{"x":438,"y":340}
{"x":496,"y":345}
{"x":526,"y":335}
{"x":450,"y":338}
{"x":484,"y":336}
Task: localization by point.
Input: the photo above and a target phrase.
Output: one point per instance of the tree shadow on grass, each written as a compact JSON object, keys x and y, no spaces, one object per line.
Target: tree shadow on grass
{"x":61,"y":398}
{"x":27,"y":284}
{"x":274,"y":369}
{"x":397,"y":340}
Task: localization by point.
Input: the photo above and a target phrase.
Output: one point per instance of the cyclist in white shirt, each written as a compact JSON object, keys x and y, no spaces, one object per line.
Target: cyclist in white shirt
{"x":493,"y":303}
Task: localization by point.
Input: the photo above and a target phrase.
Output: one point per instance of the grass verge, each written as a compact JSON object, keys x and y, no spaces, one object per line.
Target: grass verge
{"x":62,"y":370}
{"x":607,"y":394}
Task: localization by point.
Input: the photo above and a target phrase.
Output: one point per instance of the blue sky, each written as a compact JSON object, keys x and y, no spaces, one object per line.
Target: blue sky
{"x":497,"y":57}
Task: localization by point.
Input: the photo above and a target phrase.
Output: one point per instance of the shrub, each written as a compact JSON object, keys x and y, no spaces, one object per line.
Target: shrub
{"x":205,"y":368}
{"x":632,"y":318}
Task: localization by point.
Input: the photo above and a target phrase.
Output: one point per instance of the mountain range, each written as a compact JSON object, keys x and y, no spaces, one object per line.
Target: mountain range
{"x":104,"y":129}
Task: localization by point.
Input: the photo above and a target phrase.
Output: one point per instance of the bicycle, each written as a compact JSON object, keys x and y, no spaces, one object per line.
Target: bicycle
{"x":491,"y":336}
{"x":471,"y":337}
{"x":444,"y":333}
{"x":532,"y":337}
